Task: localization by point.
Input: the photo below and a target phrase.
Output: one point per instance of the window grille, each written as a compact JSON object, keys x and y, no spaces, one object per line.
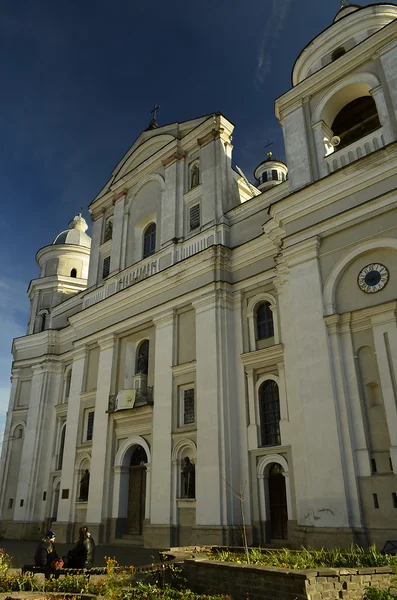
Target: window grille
{"x":269,"y":409}
{"x":106,"y":267}
{"x":90,"y":426}
{"x":264,"y":322}
{"x":188,"y":407}
{"x":149,"y":241}
{"x":194,"y":217}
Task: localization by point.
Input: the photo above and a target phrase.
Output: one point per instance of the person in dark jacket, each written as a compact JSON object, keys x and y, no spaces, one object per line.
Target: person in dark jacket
{"x":82,"y":555}
{"x":45,"y":552}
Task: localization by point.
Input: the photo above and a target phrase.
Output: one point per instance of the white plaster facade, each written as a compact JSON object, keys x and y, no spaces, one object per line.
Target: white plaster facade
{"x":225,"y":324}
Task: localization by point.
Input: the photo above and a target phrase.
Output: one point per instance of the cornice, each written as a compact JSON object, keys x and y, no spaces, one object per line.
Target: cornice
{"x":361,"y":174}
{"x":172,"y":159}
{"x":184,"y":368}
{"x":264,"y":357}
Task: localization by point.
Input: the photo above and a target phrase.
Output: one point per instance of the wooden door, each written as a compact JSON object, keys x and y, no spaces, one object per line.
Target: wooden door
{"x":278,"y":505}
{"x":136,"y":499}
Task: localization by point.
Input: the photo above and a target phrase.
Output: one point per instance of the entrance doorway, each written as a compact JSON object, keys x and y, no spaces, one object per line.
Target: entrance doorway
{"x":278,"y":503}
{"x":137,"y":491}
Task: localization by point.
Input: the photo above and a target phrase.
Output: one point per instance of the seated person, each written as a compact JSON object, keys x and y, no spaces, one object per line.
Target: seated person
{"x":82,"y":555}
{"x":45,"y":553}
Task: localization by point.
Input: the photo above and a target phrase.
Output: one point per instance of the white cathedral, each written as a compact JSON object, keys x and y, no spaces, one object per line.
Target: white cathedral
{"x":217,"y":336}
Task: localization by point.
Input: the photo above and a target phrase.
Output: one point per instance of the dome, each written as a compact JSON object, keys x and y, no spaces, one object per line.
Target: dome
{"x":270,"y":172}
{"x":75,"y":234}
{"x":345,"y":10}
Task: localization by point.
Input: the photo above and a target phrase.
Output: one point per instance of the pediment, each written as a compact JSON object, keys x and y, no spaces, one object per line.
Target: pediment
{"x":138,"y":155}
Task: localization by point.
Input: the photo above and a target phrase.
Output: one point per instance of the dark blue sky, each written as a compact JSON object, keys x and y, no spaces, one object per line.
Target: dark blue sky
{"x":79,"y":78}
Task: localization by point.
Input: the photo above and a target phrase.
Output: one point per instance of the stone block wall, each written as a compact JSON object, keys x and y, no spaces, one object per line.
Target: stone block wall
{"x":271,"y":583}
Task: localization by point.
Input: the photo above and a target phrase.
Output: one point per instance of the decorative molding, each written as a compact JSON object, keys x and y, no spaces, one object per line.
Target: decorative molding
{"x":184,"y":368}
{"x":264,"y":357}
{"x":176,"y":157}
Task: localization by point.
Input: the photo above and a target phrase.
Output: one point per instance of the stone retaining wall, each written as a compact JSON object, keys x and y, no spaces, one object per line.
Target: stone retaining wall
{"x":244,"y":582}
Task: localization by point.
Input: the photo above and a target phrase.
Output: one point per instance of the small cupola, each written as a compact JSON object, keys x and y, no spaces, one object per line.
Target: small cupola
{"x":76,"y":234}
{"x":270,"y":172}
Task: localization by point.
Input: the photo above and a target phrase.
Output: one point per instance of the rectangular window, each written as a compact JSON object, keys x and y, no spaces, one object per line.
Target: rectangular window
{"x":373,"y":465}
{"x":44,"y":496}
{"x":10,"y":502}
{"x":194,"y":217}
{"x":106,"y":267}
{"x":394,"y":498}
{"x":390,"y":463}
{"x":21,"y":503}
{"x":376,"y":501}
{"x":274,"y":175}
{"x":65,"y":494}
{"x":188,"y":406}
{"x":90,"y":426}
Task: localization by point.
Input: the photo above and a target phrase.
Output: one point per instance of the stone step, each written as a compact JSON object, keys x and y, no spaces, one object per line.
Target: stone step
{"x":129,"y":539}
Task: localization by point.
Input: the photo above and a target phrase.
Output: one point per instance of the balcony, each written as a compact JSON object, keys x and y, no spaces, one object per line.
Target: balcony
{"x":365,"y":145}
{"x":130,"y":399}
{"x":152,"y":265}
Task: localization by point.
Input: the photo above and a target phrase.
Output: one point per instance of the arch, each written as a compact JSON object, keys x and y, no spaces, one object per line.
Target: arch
{"x":67,"y":380}
{"x":133,"y":192}
{"x":61,"y":447}
{"x":43,"y":321}
{"x":262,"y":471}
{"x":358,"y":84}
{"x":15,"y":426}
{"x":149,"y":240}
{"x":338,"y":270}
{"x":108,"y":230}
{"x":355,"y":120}
{"x":182,"y":445}
{"x":251,"y":315}
{"x":142,"y":357}
{"x":81,"y":459}
{"x":73,"y":273}
{"x":194,"y":174}
{"x":122,"y":458}
{"x":55,"y":483}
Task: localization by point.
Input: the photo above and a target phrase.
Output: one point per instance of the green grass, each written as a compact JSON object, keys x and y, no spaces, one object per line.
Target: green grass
{"x":310,"y":558}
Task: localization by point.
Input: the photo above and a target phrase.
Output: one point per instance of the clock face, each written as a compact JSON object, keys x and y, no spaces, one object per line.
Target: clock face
{"x":373,"y":278}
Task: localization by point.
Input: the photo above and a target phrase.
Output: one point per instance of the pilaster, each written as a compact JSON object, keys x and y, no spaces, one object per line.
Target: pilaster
{"x":94,"y":255}
{"x":6,"y":446}
{"x":160,"y":512}
{"x":98,"y":502}
{"x":117,"y":236}
{"x":68,"y":484}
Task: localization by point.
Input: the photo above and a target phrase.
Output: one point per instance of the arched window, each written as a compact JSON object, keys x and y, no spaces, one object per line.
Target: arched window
{"x":142,"y":358}
{"x":61,"y":448}
{"x":269,"y":411}
{"x":274,"y":174}
{"x":357,"y":119}
{"x":18,"y":432}
{"x":73,"y":273}
{"x":149,"y":240}
{"x":337,"y":53}
{"x":264,"y":177}
{"x":264,"y":322}
{"x":68,"y":381}
{"x":43,"y":320}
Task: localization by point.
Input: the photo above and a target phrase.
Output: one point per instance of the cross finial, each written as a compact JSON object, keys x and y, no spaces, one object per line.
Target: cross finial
{"x":81,"y":211}
{"x":344,"y":3}
{"x":154,"y":111}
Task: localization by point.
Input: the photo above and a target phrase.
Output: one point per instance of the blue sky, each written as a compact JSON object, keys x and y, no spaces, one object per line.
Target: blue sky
{"x":79,"y":78}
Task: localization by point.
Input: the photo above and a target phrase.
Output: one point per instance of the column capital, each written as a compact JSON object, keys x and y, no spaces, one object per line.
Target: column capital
{"x":164,"y":319}
{"x":302,"y":252}
{"x":119,"y":196}
{"x":107,"y":342}
{"x":79,"y":353}
{"x":173,"y":158}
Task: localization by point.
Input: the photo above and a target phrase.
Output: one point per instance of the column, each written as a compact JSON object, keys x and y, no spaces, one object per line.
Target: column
{"x":318,"y":458}
{"x":297,"y":148}
{"x":6,"y":447}
{"x":383,"y":113}
{"x":389,"y":61}
{"x":117,"y":236}
{"x":322,"y":135}
{"x":162,"y":420}
{"x":252,"y":429}
{"x":67,"y":497}
{"x":385,"y":336}
{"x":169,"y":203}
{"x":211,"y":475}
{"x":94,"y":255}
{"x":99,"y":474}
{"x":345,"y":422}
{"x":35,"y":437}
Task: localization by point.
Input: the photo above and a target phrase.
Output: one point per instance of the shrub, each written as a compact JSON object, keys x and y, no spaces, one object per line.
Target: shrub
{"x":5,"y":562}
{"x":372,"y":593}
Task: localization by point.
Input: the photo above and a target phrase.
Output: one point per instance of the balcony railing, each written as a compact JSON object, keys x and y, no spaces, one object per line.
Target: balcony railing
{"x":365,"y":145}
{"x":150,"y":266}
{"x":123,"y":401}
